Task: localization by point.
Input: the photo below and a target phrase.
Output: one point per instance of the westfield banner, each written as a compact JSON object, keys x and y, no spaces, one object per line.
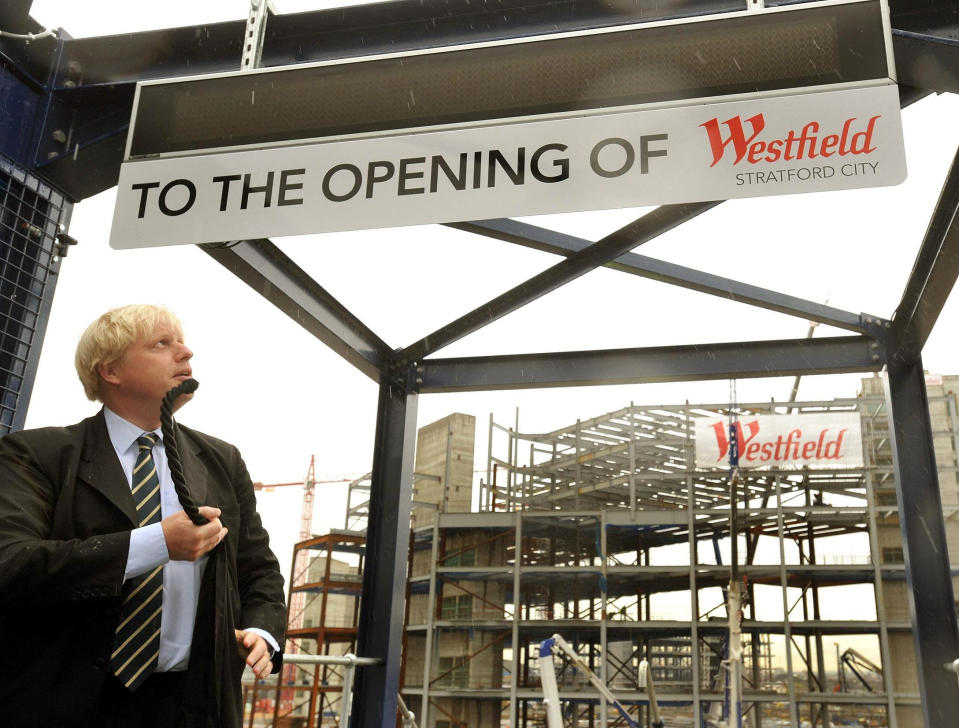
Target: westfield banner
{"x":827,"y":439}
{"x":678,"y":110}
{"x":810,"y":142}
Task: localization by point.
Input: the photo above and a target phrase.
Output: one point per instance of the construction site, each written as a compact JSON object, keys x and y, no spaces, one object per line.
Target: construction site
{"x":395,"y":181}
{"x":607,"y":532}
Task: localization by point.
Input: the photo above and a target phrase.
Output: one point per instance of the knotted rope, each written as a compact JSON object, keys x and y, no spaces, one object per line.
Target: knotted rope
{"x":168,"y":428}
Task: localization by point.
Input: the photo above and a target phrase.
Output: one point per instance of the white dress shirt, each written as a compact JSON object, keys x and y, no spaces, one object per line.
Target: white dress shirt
{"x":148,"y":549}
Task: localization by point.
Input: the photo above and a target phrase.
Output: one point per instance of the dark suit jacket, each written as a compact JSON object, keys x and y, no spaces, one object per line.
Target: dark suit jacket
{"x":65,"y":518}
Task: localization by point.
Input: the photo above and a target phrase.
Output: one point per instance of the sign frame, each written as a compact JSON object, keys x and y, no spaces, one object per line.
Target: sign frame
{"x":516,"y":42}
{"x":310,"y":162}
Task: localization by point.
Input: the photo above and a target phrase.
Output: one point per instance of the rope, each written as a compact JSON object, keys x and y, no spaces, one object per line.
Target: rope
{"x":28,"y":36}
{"x":168,"y":428}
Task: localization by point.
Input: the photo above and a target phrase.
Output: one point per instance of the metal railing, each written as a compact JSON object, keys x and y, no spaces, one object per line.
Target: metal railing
{"x":350,"y":662}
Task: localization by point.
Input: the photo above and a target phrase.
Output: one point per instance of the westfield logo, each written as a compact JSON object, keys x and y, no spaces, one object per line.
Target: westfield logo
{"x":810,"y":142}
{"x":824,"y":443}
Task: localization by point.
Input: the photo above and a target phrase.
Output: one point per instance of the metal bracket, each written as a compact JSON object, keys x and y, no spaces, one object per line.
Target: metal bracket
{"x":414,"y":377}
{"x":953,"y":666}
{"x":406,"y":375}
{"x":880,"y":330}
{"x":62,"y":246}
{"x":255,"y":33}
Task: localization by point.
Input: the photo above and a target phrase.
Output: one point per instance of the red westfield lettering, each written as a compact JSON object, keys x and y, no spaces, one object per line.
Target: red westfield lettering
{"x":807,"y":143}
{"x":793,"y":446}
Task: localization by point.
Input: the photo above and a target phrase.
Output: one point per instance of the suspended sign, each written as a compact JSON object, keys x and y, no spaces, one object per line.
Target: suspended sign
{"x":792,"y":99}
{"x":827,"y":439}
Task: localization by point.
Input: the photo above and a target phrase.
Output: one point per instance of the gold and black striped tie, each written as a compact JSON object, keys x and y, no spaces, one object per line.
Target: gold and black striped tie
{"x":137,"y":643}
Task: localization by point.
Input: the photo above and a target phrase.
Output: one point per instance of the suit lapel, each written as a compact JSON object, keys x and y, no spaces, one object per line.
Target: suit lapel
{"x":101,"y":470}
{"x":194,"y":471}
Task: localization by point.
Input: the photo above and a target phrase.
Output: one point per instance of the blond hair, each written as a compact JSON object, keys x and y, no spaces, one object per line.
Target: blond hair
{"x":107,"y":339}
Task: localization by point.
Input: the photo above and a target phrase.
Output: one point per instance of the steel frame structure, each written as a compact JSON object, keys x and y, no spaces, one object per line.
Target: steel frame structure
{"x":620,"y":486}
{"x":67,"y":120}
{"x":31,"y":253}
{"x":324,"y":690}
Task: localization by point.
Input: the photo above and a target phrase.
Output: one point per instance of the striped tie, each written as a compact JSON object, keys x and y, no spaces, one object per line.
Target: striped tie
{"x":137,"y":643}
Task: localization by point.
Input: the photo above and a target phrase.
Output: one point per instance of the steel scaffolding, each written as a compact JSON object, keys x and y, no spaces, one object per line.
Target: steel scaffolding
{"x":67,"y":111}
{"x":605,"y":532}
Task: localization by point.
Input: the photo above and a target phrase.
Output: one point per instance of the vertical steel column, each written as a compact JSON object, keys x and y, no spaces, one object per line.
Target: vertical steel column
{"x":431,"y":646}
{"x":817,"y":616}
{"x":691,"y":509}
{"x":885,"y":658}
{"x":604,"y":616}
{"x":509,"y":470}
{"x":528,"y":478}
{"x":517,"y":615}
{"x":579,"y":467}
{"x":387,"y":542}
{"x":784,"y":583}
{"x":632,"y":461}
{"x":928,"y":578}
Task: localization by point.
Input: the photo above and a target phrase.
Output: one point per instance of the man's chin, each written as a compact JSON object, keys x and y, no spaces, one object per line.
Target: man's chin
{"x":182,"y":400}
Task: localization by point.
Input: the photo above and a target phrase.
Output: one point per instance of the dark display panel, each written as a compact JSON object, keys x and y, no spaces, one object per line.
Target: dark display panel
{"x":744,"y":54}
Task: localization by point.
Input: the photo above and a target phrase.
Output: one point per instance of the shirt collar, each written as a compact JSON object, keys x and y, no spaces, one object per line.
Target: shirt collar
{"x":123,"y":433}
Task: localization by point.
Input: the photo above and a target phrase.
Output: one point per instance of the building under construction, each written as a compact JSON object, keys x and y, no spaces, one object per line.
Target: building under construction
{"x":607,"y":533}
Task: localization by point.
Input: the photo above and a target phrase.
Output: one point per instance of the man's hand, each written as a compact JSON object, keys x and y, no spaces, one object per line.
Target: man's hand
{"x":188,"y":542}
{"x":254,"y":651}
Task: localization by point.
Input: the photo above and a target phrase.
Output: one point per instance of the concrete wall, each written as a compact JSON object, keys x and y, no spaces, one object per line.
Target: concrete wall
{"x":456,"y":435}
{"x":473,"y":713}
{"x":339,"y":608}
{"x":889,"y":536}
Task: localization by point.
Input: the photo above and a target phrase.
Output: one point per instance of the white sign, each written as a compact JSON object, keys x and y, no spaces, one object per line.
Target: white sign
{"x":827,"y":439}
{"x":752,"y":147}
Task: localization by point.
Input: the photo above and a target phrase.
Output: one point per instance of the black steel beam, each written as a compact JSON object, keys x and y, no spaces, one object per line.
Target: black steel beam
{"x":358,"y":30}
{"x":925,"y":41}
{"x":268,"y":271}
{"x":551,"y":241}
{"x":597,"y":254}
{"x":91,"y":79}
{"x":926,"y":61}
{"x":740,"y":360}
{"x":380,"y":629}
{"x":81,"y":137}
{"x":398,"y":25}
{"x":32,"y":61}
{"x":925,"y":549}
{"x":933,"y":274}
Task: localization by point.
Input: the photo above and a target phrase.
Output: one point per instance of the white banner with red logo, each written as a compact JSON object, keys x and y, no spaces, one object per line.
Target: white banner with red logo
{"x":827,"y":439}
{"x":751,"y":147}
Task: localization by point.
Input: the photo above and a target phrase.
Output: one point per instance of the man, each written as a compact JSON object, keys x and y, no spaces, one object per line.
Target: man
{"x":115,"y":609}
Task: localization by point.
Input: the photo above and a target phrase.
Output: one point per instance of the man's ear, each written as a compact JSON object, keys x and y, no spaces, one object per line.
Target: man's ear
{"x":108,"y":373}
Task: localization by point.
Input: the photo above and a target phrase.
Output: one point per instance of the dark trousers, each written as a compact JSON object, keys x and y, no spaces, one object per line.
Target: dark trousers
{"x":155,"y":704}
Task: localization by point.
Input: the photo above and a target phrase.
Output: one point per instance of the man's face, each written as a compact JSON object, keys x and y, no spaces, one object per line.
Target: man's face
{"x":152,"y":366}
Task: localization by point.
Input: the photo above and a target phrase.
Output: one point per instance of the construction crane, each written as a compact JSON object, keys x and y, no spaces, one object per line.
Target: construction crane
{"x":547,"y":673}
{"x":298,"y":600}
{"x":852,"y":659}
{"x":645,"y":680}
{"x":300,"y":564}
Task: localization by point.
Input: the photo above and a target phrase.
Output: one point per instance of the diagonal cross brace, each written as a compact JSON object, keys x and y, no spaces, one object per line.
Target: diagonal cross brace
{"x":520,"y":233}
{"x":933,"y":274}
{"x":600,"y":253}
{"x":267,"y":270}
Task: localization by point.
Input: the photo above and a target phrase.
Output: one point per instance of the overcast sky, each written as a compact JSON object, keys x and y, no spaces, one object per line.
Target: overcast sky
{"x":281,"y":396}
